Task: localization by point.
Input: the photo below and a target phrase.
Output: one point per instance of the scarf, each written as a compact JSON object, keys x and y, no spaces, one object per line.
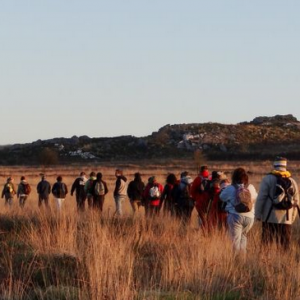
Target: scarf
{"x":285,"y":174}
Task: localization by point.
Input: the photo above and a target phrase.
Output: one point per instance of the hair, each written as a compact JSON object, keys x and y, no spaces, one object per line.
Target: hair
{"x":171,"y":178}
{"x":92,"y":174}
{"x":82,"y":173}
{"x":215,"y":175}
{"x":22,"y":177}
{"x":239,"y":176}
{"x":203,"y":168}
{"x":119,"y":172}
{"x":99,"y":175}
{"x":137,"y":177}
{"x":59,"y":178}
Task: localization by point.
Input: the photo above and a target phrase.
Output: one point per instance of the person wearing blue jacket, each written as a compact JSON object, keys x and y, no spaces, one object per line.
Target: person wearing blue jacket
{"x":239,"y":223}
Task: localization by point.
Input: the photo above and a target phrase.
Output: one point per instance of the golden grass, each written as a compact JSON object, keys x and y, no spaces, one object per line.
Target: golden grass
{"x":88,"y":256}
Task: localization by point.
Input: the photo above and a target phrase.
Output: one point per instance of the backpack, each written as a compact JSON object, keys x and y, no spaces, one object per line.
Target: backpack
{"x":99,"y":189}
{"x":90,"y":186}
{"x":8,"y":189}
{"x":154,"y":193}
{"x":26,"y":188}
{"x":243,"y":202}
{"x":185,"y":198}
{"x":284,"y":194}
{"x":205,"y":185}
{"x":60,"y":190}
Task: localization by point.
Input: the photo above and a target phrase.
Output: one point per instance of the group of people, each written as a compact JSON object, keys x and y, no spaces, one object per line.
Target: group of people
{"x":220,"y":203}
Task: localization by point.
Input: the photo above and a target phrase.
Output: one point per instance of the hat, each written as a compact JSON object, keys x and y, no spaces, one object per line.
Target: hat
{"x":280,"y":163}
{"x":204,"y":173}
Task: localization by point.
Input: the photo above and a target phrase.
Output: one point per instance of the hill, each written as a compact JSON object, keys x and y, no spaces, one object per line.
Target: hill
{"x":260,"y":139}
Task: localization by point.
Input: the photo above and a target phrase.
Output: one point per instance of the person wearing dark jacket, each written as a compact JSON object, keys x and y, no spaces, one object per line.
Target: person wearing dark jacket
{"x":183,"y":199}
{"x":166,"y":197}
{"x":8,"y":191}
{"x":100,"y":190}
{"x":23,"y":192}
{"x":43,"y":189}
{"x":78,"y":188}
{"x":59,"y":190}
{"x":120,"y":192}
{"x":135,"y":192}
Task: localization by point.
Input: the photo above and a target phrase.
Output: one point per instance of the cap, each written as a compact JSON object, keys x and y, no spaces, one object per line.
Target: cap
{"x":280,"y":163}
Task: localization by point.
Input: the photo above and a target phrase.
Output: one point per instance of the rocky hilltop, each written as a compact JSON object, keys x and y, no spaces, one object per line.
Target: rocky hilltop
{"x":262,"y":138}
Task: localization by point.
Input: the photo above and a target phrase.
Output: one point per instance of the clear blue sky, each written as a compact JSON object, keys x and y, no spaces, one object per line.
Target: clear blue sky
{"x":109,"y":68}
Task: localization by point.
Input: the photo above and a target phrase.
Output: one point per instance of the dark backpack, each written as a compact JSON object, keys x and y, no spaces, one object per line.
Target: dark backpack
{"x":60,"y":190}
{"x":205,"y":185}
{"x":284,"y":194}
{"x":26,"y":188}
{"x":243,"y":202}
{"x":91,"y":186}
{"x":185,"y":198}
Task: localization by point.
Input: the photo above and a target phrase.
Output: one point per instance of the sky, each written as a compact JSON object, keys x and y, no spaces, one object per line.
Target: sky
{"x":128,"y":67}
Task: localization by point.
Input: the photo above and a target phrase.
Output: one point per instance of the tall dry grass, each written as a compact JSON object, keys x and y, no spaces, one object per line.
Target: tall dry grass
{"x":46,"y":255}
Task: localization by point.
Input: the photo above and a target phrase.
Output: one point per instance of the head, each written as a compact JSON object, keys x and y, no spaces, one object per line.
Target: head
{"x":23,"y":178}
{"x":9,"y":179}
{"x":152,"y":180}
{"x":239,"y":176}
{"x":204,"y":171}
{"x":171,"y":178}
{"x":224,"y":183}
{"x":280,"y":163}
{"x":184,"y":174}
{"x":137,"y":176}
{"x":99,"y":176}
{"x":43,"y":176}
{"x":82,"y":174}
{"x":59,"y":178}
{"x":118,"y":172}
{"x":214,"y":175}
{"x":92,"y":174}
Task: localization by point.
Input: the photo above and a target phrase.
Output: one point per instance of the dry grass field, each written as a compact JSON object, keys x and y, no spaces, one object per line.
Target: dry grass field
{"x":45,"y":255}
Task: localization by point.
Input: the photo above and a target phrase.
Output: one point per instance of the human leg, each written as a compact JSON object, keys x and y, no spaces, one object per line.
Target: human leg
{"x":235,"y":229}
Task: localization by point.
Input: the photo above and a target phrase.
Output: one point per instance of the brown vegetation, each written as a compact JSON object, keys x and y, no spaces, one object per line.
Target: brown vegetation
{"x":88,"y":256}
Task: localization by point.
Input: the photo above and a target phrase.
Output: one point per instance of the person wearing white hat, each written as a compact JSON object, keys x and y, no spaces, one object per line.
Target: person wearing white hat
{"x":277,"y":204}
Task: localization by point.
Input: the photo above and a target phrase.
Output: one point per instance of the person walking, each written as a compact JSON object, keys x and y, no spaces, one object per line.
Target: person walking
{"x":78,"y":187}
{"x":120,"y":191}
{"x":59,"y":190}
{"x":135,"y":192}
{"x":239,"y":197}
{"x":8,"y":191}
{"x":151,"y":196}
{"x":88,"y":189}
{"x":183,"y":199}
{"x":43,"y":189}
{"x":167,"y":199}
{"x":100,"y":190}
{"x":23,"y":192}
{"x":201,"y":193}
{"x":277,"y":205}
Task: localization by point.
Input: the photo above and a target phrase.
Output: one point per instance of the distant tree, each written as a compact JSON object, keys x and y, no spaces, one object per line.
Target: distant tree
{"x":48,"y":157}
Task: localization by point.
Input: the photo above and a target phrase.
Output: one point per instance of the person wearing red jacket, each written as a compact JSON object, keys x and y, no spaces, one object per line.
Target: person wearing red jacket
{"x":151,"y":196}
{"x":216,"y":214}
{"x":201,"y":194}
